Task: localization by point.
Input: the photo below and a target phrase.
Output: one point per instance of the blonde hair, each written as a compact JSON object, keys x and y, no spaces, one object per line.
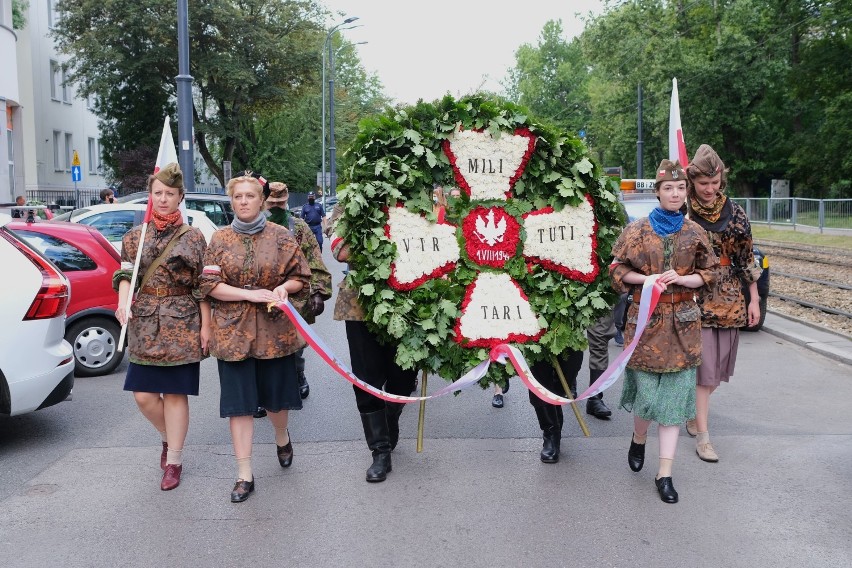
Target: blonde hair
{"x":250,"y":179}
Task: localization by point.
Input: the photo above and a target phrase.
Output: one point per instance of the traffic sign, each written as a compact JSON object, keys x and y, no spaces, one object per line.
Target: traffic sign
{"x":76,"y":160}
{"x":76,"y":174}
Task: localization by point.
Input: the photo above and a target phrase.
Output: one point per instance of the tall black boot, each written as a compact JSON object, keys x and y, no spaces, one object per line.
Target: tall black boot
{"x":376,"y":432}
{"x":550,"y":422}
{"x":393,"y":410}
{"x":595,"y":405}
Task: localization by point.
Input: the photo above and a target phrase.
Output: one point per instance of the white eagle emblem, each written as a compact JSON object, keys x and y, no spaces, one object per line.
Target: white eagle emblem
{"x":488,"y":231}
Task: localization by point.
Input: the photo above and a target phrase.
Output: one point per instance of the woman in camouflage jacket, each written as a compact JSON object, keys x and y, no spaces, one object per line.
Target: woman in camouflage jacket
{"x":169,"y":326}
{"x":723,"y":306}
{"x":249,"y":265}
{"x":659,"y":383}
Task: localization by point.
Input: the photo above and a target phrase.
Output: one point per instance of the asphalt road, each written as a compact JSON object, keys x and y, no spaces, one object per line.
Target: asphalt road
{"x":79,"y":482}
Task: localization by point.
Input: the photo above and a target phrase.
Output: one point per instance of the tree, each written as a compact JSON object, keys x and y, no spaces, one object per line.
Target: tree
{"x":247,"y":57}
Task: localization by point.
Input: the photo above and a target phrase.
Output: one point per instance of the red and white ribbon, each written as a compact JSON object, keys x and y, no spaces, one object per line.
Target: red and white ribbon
{"x":502,"y":353}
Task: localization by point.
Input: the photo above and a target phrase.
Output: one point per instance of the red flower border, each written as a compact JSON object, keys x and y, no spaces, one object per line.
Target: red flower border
{"x":492,"y":341}
{"x":511,"y":238}
{"x":393,"y":281}
{"x":462,"y":182}
{"x":585,"y":277}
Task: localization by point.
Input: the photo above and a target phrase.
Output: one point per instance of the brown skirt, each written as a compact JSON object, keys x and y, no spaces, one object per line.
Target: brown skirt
{"x":718,"y":355}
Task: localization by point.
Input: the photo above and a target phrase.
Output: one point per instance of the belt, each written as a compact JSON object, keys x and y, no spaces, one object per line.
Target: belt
{"x":724,"y":260}
{"x":667,"y":298}
{"x":163,"y":291}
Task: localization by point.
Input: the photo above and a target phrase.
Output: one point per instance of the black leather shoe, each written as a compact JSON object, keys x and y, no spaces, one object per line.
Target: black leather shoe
{"x":596,"y":407}
{"x":666,"y":489}
{"x":380,"y":468}
{"x":285,"y":453}
{"x":506,"y":388}
{"x":260,"y":412}
{"x":550,"y":449}
{"x":241,"y":490}
{"x":497,"y":401}
{"x":304,"y":387}
{"x":636,"y":456}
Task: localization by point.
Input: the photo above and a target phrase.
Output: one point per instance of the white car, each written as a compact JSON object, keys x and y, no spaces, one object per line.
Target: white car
{"x":113,"y":220}
{"x":36,"y":363}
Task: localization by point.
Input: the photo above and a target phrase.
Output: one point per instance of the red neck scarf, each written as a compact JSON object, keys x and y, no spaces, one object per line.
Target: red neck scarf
{"x":162,"y":221}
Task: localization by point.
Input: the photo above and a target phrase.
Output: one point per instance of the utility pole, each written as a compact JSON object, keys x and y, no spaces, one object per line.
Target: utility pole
{"x":639,"y":142}
{"x":186,"y":154}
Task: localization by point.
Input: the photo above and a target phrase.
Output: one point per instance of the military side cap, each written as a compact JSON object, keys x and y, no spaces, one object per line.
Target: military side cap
{"x":707,"y":161}
{"x":170,"y":175}
{"x":670,"y":171}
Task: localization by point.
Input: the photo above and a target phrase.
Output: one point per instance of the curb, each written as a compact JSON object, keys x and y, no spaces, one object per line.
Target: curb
{"x":833,"y":345}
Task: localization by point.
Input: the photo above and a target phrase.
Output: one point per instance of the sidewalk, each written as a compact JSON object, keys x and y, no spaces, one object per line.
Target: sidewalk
{"x":832,"y":345}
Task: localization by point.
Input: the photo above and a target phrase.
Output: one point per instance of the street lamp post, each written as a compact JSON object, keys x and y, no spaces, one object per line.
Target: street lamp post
{"x":327,"y":46}
{"x":184,"y":100}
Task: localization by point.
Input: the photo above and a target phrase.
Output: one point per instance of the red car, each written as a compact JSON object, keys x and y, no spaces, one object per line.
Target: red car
{"x":88,"y":260}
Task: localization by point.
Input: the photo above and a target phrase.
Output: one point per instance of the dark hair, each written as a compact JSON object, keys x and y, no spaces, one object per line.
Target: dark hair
{"x":106,"y":193}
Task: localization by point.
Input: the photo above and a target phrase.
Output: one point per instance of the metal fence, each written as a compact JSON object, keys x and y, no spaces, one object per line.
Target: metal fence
{"x":58,"y":198}
{"x":825,"y":215}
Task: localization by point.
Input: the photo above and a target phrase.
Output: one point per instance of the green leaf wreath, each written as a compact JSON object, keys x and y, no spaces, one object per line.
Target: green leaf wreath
{"x":396,"y":158}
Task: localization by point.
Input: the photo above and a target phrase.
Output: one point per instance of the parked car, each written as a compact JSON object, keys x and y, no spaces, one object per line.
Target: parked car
{"x":216,"y":206}
{"x":88,"y":260}
{"x":638,"y":202}
{"x":36,"y":363}
{"x":114,"y":220}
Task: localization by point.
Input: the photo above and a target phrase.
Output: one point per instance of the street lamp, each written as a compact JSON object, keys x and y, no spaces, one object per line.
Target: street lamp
{"x":327,"y":46}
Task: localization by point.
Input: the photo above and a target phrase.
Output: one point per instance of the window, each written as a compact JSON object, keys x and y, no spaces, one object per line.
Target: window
{"x":66,"y":89}
{"x":57,"y":151}
{"x":93,"y":156}
{"x":90,"y":102}
{"x":69,"y":151}
{"x":55,"y":78}
{"x":52,"y":16}
{"x":65,"y":256}
{"x":113,"y":224}
{"x":100,"y":157}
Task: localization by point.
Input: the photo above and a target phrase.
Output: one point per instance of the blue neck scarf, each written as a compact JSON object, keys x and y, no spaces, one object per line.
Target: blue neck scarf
{"x":665,"y":222}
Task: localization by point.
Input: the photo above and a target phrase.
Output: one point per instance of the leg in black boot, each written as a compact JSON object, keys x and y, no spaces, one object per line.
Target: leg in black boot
{"x":393,"y":410}
{"x":376,"y":431}
{"x":551,"y":432}
{"x":595,"y":405}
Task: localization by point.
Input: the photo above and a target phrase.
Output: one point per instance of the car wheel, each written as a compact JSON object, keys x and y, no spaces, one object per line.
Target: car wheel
{"x":759,"y":324}
{"x":95,"y":344}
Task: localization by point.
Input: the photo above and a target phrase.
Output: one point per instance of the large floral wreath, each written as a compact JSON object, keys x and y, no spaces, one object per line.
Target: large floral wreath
{"x":520,"y":257}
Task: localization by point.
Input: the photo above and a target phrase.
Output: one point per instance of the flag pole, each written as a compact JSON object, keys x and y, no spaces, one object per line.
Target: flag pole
{"x":133,"y":279}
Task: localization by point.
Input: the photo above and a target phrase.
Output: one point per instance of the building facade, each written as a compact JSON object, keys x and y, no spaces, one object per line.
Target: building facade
{"x":48,"y":118}
{"x":11,"y":143}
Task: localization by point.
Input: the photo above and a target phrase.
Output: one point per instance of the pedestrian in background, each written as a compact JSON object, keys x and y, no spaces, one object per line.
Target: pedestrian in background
{"x":107,"y":196}
{"x":320,"y":285}
{"x":723,"y":306}
{"x":169,"y":325}
{"x":659,"y":382}
{"x":313,"y":214}
{"x":249,"y":265}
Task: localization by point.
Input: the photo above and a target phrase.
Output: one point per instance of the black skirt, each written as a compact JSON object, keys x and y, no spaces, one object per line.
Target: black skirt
{"x":247,"y":384}
{"x":173,"y":379}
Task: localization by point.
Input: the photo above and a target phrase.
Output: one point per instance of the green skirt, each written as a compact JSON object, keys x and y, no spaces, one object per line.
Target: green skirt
{"x":665,"y":398}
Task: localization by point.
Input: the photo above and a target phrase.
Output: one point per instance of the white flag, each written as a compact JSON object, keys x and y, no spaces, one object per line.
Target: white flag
{"x":677,"y":146}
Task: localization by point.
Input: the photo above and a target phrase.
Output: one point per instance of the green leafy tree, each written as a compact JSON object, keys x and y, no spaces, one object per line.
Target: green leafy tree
{"x":247,"y":57}
{"x":19,"y":11}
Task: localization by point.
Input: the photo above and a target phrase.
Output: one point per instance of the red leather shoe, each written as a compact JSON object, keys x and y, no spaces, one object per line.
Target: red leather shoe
{"x":163,"y":455}
{"x":171,"y":477}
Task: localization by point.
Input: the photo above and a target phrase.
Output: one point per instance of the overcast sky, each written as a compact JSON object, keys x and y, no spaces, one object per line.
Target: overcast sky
{"x":422,"y":49}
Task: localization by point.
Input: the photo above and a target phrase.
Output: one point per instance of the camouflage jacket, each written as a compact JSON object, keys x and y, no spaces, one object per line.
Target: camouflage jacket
{"x":672,"y":339}
{"x":164,"y":330}
{"x":264,"y":260}
{"x":346,"y":307}
{"x":320,"y":276}
{"x":723,"y":304}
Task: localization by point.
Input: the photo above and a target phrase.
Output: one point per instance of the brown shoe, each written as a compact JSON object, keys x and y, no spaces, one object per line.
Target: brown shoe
{"x":692,"y":427}
{"x":241,"y":491}
{"x":704,"y":448}
{"x":285,"y":453}
{"x":171,"y":477}
{"x":163,"y":455}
